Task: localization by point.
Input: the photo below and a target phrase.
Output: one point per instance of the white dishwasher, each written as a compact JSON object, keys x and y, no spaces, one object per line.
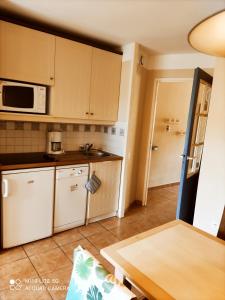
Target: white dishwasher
{"x":70,"y":197}
{"x":27,"y":205}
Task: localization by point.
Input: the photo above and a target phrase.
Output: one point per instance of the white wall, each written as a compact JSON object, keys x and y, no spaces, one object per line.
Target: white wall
{"x":180,"y":61}
{"x":211,"y":189}
{"x":126,"y":87}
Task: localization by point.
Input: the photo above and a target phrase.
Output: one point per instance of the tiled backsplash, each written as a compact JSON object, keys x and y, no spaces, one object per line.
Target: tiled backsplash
{"x":32,"y":137}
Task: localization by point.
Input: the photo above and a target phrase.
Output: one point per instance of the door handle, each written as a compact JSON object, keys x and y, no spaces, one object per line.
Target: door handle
{"x":191,"y":157}
{"x":6,"y":188}
{"x":73,"y":187}
{"x":188,"y":157}
{"x":155,"y":148}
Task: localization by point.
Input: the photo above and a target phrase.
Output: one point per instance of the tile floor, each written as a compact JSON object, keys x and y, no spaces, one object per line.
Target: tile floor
{"x":44,"y":267}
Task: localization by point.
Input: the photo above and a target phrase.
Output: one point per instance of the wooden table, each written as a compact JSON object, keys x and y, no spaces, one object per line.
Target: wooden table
{"x":172,"y":261}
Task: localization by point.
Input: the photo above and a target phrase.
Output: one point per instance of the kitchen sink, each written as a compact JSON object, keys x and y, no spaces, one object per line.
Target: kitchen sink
{"x":96,"y":153}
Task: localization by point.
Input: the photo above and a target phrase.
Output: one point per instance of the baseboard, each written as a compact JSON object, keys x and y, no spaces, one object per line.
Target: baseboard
{"x":102,"y":217}
{"x":164,"y":185}
{"x":135,"y":202}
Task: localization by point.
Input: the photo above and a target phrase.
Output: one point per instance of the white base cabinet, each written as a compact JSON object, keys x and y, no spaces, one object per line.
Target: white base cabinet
{"x":39,"y":202}
{"x":27,"y":205}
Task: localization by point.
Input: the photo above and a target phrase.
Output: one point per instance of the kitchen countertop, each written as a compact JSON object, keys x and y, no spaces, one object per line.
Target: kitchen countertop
{"x":13,"y":161}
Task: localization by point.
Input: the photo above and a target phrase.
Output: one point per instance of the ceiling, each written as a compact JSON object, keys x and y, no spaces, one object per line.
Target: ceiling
{"x":159,"y":25}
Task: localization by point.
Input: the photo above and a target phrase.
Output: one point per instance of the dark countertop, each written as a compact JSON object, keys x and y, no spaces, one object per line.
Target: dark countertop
{"x":13,"y":161}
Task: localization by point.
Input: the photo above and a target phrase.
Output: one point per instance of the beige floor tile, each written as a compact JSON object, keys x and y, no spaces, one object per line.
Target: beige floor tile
{"x":50,"y":261}
{"x":20,"y":269}
{"x":40,"y":246}
{"x":68,"y":236}
{"x":10,"y":255}
{"x":57,"y":283}
{"x":127,"y":230}
{"x":102,"y":240}
{"x":136,"y":217}
{"x":91,"y":229}
{"x":111,"y":222}
{"x":69,"y":248}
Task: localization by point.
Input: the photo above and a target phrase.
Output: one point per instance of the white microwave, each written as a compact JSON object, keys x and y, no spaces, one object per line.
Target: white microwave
{"x":22,"y":97}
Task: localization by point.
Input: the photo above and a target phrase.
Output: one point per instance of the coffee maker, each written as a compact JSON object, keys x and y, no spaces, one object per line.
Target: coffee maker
{"x":54,"y":144}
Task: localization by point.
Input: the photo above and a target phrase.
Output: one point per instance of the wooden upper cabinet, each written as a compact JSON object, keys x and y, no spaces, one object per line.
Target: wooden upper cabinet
{"x":105,"y":85}
{"x":26,"y":54}
{"x":85,"y":80}
{"x":71,"y":92}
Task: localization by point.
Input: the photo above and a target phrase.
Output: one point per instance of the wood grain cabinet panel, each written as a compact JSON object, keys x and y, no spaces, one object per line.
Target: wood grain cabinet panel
{"x":105,"y":85}
{"x":71,"y":92}
{"x":104,"y":202}
{"x":26,"y":54}
{"x":85,"y":80}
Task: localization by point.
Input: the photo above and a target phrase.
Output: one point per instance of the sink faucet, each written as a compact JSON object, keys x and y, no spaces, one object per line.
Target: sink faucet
{"x":86,"y":147}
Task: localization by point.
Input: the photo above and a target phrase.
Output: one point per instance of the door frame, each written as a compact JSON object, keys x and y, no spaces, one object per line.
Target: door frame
{"x":152,"y":114}
{"x":186,"y":205}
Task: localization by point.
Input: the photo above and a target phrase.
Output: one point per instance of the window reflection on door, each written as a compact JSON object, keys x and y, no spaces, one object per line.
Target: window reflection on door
{"x":200,"y":122}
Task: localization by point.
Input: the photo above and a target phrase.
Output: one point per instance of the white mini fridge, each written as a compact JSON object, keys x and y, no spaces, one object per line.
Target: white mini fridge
{"x":27,"y":205}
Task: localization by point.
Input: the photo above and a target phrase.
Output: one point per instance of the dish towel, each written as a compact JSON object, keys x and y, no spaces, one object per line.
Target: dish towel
{"x":93,"y":184}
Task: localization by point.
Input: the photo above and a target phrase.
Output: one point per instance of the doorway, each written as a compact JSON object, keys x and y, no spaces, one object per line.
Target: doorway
{"x":172,"y":105}
{"x":186,"y":159}
{"x":170,"y":113}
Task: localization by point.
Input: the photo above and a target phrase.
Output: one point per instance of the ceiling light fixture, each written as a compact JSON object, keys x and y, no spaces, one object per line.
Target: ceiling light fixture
{"x":208,"y":36}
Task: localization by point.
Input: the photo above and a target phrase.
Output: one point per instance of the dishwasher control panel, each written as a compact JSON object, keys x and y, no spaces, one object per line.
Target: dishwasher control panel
{"x":72,"y":171}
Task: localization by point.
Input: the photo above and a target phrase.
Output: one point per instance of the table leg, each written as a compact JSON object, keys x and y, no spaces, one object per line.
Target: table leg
{"x":119,"y":275}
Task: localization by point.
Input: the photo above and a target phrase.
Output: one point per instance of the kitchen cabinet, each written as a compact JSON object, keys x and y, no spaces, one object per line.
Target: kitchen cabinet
{"x":26,"y":54}
{"x":87,"y":82}
{"x":104,"y":203}
{"x":105,"y":85}
{"x":27,"y":205}
{"x":71,"y":92}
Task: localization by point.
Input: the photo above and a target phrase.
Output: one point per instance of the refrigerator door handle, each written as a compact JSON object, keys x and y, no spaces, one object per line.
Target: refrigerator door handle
{"x":6,"y":188}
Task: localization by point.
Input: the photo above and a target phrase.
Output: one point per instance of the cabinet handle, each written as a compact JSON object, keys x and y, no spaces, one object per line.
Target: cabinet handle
{"x":30,"y":181}
{"x":51,"y":78}
{"x":92,"y":114}
{"x":73,"y":187}
{"x":87,"y":113}
{"x":6,"y":188}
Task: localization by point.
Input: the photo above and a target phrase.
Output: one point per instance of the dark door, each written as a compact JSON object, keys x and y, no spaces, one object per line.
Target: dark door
{"x":194,"y":143}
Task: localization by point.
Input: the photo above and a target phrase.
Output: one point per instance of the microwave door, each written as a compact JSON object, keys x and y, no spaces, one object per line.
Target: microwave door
{"x":18,"y":98}
{"x":22,"y":97}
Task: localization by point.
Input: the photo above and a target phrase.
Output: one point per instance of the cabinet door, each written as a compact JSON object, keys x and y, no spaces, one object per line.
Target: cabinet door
{"x":28,"y":207}
{"x":26,"y":54}
{"x":105,"y":85}
{"x":105,"y":201}
{"x":71,"y":93}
